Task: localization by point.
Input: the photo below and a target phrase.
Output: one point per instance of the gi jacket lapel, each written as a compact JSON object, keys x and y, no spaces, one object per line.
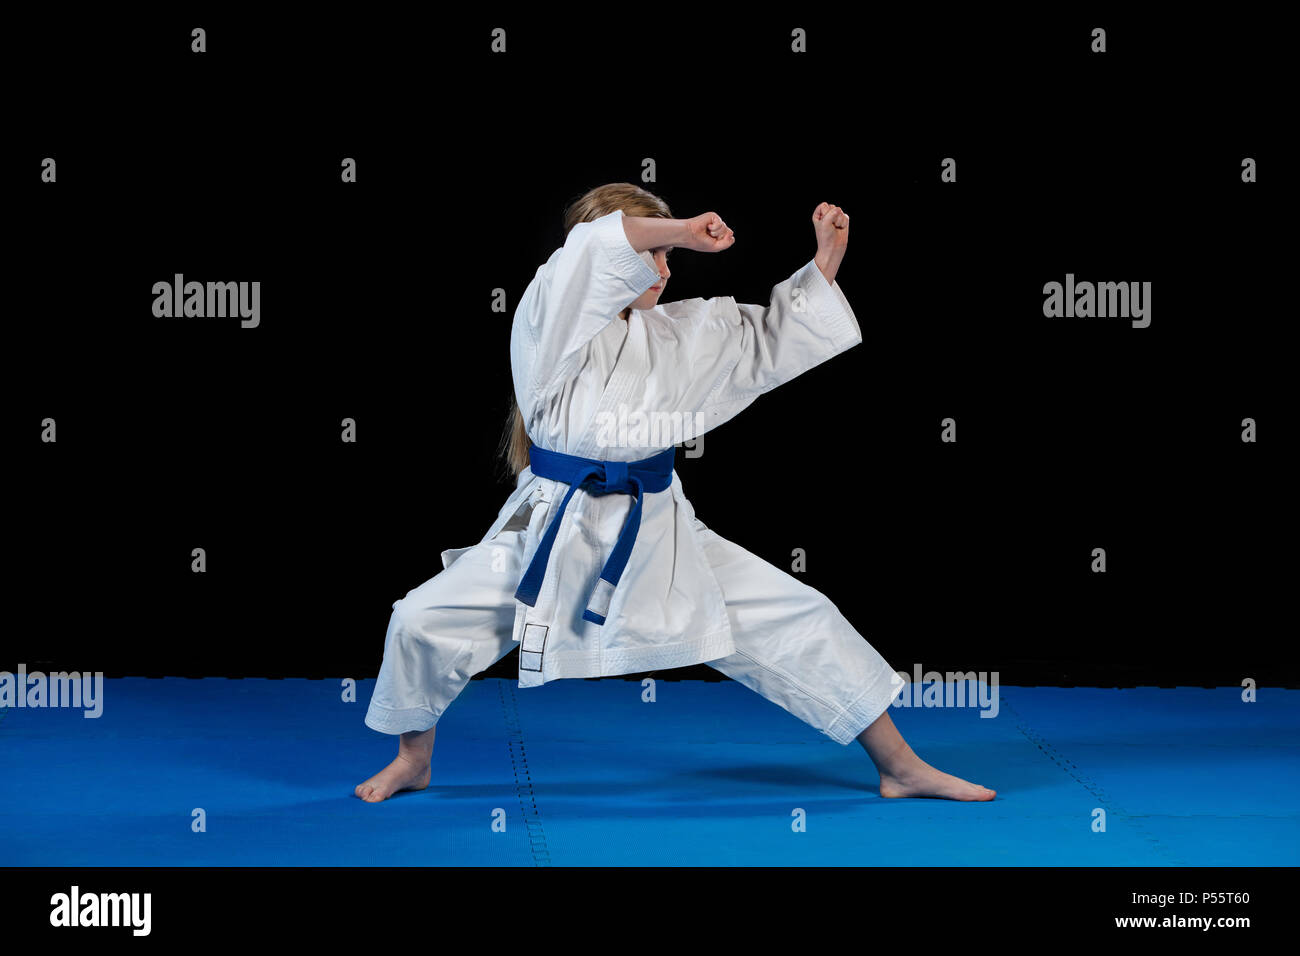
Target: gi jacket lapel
{"x":629,"y":370}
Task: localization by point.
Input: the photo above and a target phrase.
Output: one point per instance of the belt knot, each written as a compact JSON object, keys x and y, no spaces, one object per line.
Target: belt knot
{"x":615,"y":475}
{"x":647,"y":476}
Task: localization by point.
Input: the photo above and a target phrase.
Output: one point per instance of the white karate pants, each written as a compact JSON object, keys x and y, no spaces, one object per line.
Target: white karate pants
{"x":792,"y":644}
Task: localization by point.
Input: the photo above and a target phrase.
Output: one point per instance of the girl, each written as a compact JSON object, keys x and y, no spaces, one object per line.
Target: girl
{"x":596,"y":564}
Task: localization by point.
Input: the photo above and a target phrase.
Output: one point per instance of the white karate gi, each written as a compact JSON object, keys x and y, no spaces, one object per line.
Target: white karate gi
{"x":687,"y":596}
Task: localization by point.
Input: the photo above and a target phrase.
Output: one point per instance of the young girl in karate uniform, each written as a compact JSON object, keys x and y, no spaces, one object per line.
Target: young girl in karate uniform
{"x":596,"y":564}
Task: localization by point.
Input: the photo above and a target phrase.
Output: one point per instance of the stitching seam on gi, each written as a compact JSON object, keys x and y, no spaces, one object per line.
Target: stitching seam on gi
{"x":834,"y":318}
{"x":855,"y":710}
{"x":886,"y":677}
{"x":617,"y":389}
{"x":834,"y":708}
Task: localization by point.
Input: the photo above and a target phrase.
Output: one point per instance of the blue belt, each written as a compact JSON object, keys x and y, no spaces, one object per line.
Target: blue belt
{"x":596,"y":477}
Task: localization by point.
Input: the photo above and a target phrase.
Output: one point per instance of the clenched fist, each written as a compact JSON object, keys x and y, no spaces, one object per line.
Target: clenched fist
{"x":831,"y":225}
{"x":708,"y":233}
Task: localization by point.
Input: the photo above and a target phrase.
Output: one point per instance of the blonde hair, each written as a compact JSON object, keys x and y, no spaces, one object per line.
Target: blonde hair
{"x":601,"y":201}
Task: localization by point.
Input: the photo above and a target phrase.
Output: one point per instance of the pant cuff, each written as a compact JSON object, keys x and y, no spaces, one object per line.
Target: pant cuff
{"x":389,"y":721}
{"x":864,"y":711}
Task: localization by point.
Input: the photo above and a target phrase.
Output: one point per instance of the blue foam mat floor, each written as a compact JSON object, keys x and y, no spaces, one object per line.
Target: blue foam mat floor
{"x":587,"y":773}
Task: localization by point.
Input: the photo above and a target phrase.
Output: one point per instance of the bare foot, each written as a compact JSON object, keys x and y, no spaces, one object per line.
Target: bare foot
{"x":922,"y":780}
{"x":404,"y":773}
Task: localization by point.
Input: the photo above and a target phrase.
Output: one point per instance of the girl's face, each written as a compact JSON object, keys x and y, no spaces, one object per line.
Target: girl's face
{"x":656,"y":259}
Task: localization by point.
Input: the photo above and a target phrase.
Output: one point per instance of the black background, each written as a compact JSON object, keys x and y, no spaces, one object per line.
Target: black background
{"x":176,"y":434}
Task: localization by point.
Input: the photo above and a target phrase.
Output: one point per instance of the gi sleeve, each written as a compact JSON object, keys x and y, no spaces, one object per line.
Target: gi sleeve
{"x":573,"y":296}
{"x":737,"y":352}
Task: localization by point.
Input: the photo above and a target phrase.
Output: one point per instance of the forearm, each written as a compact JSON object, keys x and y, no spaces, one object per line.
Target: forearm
{"x":828,"y":263}
{"x":646,"y":232}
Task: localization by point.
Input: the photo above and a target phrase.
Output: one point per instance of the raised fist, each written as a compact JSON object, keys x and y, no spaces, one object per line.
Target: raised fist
{"x":708,"y":233}
{"x":831,"y":224}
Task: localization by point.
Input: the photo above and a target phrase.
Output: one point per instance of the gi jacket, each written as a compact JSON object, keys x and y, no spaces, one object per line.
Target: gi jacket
{"x":580,"y":375}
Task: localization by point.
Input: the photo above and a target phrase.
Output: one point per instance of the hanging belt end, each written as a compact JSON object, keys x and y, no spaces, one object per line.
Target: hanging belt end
{"x":598,"y":606}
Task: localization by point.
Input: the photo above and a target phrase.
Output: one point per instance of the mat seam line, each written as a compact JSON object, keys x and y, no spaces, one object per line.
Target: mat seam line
{"x":1059,"y":758}
{"x":523,"y":785}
